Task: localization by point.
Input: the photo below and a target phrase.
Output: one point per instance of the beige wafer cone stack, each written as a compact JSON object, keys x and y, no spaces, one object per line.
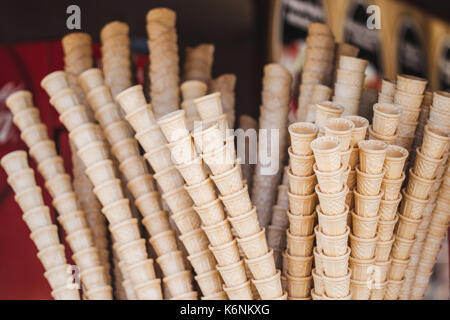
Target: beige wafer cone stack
{"x":343,"y":49}
{"x":59,"y":185}
{"x":349,"y":83}
{"x":408,"y":96}
{"x":108,"y":190}
{"x":273,"y":119}
{"x":318,"y":65}
{"x":116,"y":58}
{"x":44,"y":234}
{"x":164,"y":70}
{"x":225,"y":84}
{"x":191,"y":90}
{"x":198,"y":63}
{"x":141,"y":185}
{"x":242,"y":215}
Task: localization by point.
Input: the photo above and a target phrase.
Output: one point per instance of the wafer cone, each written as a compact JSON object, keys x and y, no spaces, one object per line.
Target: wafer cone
{"x":332,"y":203}
{"x":108,"y":114}
{"x":360,"y":129}
{"x":327,"y":153}
{"x":364,"y":227}
{"x":388,"y":208}
{"x":173,"y":125}
{"x":177,"y":199}
{"x":208,"y":138}
{"x":387,"y":139}
{"x":302,"y":133}
{"x":368,"y":184}
{"x":131,"y":98}
{"x":101,"y":172}
{"x":397,"y":270}
{"x":302,"y":205}
{"x":352,"y":64}
{"x":435,"y":142}
{"x":391,"y":188}
{"x":66,"y":203}
{"x":318,"y":281}
{"x":299,"y":266}
{"x":171,"y":262}
{"x":51,"y":167}
{"x":20,"y":100}
{"x":412,"y":207}
{"x":186,"y":220}
{"x":182,"y":150}
{"x":73,"y":221}
{"x":150,"y":290}
{"x":233,"y":274}
{"x":109,"y":192}
{"x":241,"y":292}
{"x":411,"y":84}
{"x":360,"y":290}
{"x":202,"y":193}
{"x":45,"y":237}
{"x":195,"y":241}
{"x":86,"y":134}
{"x":299,"y":246}
{"x":134,"y":251}
{"x":22,"y":180}
{"x":141,"y":185}
{"x":301,"y":185}
{"x":426,"y":167}
{"x":34,"y":134}
{"x":336,"y":267}
{"x":378,"y":291}
{"x":169,"y":179}
{"x":245,"y":224}
{"x":337,"y":287}
{"x":230,"y":181}
{"x":386,"y":228}
{"x":126,"y":231}
{"x":193,"y":171}
{"x":80,"y":239}
{"x":219,"y":233}
{"x":64,"y":99}
{"x":269,"y":288}
{"x":159,"y":158}
{"x":254,"y":246}
{"x":100,"y":293}
{"x":27,"y":117}
{"x":221,"y":160}
{"x":59,"y":276}
{"x":226,"y":254}
{"x":202,"y":261}
{"x":164,"y":242}
{"x":386,"y":118}
{"x":65,"y":293}
{"x":401,"y":248}
{"x":371,"y":156}
{"x":29,"y":198}
{"x":332,"y":225}
{"x":363,"y":248}
{"x":93,"y":153}
{"x":210,"y":213}
{"x":75,"y":117}
{"x":150,"y":138}
{"x":43,"y":150}
{"x":407,"y":227}
{"x":141,"y":118}
{"x":92,"y":277}
{"x":367,"y":206}
{"x":87,"y":258}
{"x":237,"y":203}
{"x":388,"y":87}
{"x":299,"y":287}
{"x":340,"y":128}
{"x":52,"y":256}
{"x":332,"y":246}
{"x":209,"y":282}
{"x":330,"y":182}
{"x":262,"y":267}
{"x":362,"y":269}
{"x":301,"y":225}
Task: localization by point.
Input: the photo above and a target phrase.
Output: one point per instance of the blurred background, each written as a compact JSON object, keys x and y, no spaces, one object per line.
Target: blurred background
{"x":414,"y":39}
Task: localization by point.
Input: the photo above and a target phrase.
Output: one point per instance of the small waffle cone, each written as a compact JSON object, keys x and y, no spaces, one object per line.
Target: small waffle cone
{"x":195,"y":241}
{"x":202,"y":193}
{"x":29,"y":199}
{"x":43,"y":150}
{"x":245,"y":224}
{"x":238,"y":202}
{"x":150,"y":290}
{"x":340,"y":128}
{"x":402,"y":248}
{"x":435,"y":142}
{"x":327,"y":153}
{"x":426,"y":167}
{"x":388,"y":208}
{"x":407,"y":227}
{"x":372,"y":154}
{"x":23,"y":99}
{"x":386,"y":118}
{"x":93,"y":152}
{"x":299,"y":246}
{"x":177,"y":199}
{"x":171,"y":262}
{"x":131,"y":99}
{"x":378,"y":291}
{"x":64,"y":293}
{"x":336,"y":267}
{"x":169,"y":179}
{"x":301,"y":225}
{"x":299,"y":266}
{"x":219,"y":233}
{"x":383,"y":250}
{"x":363,"y":248}
{"x":22,"y":180}
{"x":337,"y":287}
{"x":302,"y":134}
{"x":367,"y":206}
{"x":299,"y":288}
{"x":411,"y":84}
{"x":361,"y":268}
{"x":160,"y":158}
{"x":332,"y":203}
{"x":241,"y":292}
{"x":51,"y":167}
{"x":360,"y":290}
{"x":368,"y":184}
{"x":45,"y":237}
{"x":254,"y":246}
{"x":332,"y":225}
{"x":269,"y":288}
{"x":301,"y":185}
{"x":398,"y":268}
{"x":391,"y":188}
{"x":330,"y":182}
{"x":14,"y":162}
{"x":364,"y":227}
{"x":386,"y":228}
{"x":226,"y":254}
{"x":233,"y":274}
{"x":202,"y":261}
{"x":332,"y":246}
{"x":412,"y":207}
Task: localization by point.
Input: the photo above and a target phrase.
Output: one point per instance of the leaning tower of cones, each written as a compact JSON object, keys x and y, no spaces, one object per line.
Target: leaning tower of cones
{"x":44,"y":233}
{"x":170,"y":181}
{"x":58,"y":183}
{"x":241,"y":213}
{"x":88,"y":138}
{"x":134,"y":168}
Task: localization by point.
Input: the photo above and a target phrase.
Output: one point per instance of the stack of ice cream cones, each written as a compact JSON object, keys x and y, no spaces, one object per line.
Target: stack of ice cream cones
{"x":414,"y":210}
{"x":318,"y":64}
{"x":434,"y":147}
{"x":164,"y":69}
{"x":440,"y":111}
{"x":133,"y":166}
{"x":272,"y":122}
{"x":408,"y":96}
{"x":302,"y":200}
{"x":58,"y":183}
{"x":386,"y":118}
{"x":331,"y":255}
{"x":351,"y":156}
{"x":319,"y":94}
{"x":227,"y":176}
{"x":276,"y":231}
{"x":44,"y":233}
{"x":349,"y":83}
{"x":220,"y":156}
{"x":394,"y":176}
{"x":423,"y":119}
{"x":207,"y":209}
{"x":343,"y":49}
{"x":198,"y":63}
{"x":88,"y":139}
{"x":386,"y":95}
{"x":225,"y":84}
{"x":116,"y":58}
{"x":170,"y":182}
{"x":365,"y":216}
{"x":191,"y":90}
